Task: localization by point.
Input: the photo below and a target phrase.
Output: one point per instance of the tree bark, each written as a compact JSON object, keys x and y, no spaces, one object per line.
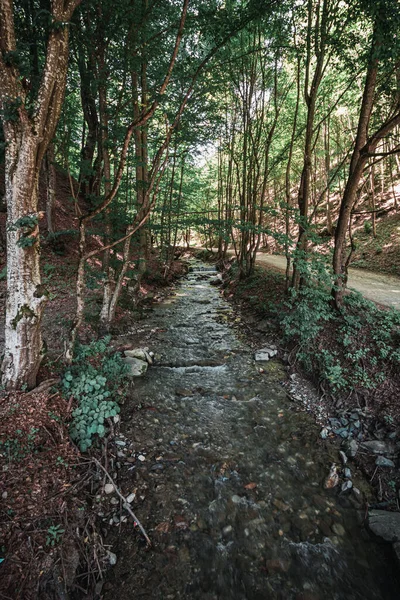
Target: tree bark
{"x":27,"y":138}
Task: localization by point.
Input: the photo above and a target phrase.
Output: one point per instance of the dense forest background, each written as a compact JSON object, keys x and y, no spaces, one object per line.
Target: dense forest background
{"x":252,"y":125}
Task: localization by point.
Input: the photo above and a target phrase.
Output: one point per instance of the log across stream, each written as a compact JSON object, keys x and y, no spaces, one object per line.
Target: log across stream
{"x":227,"y":477}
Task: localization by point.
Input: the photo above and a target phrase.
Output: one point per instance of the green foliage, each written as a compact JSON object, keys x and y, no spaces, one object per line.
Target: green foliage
{"x":3,"y":274}
{"x":94,"y":380}
{"x":11,"y":108}
{"x":363,"y":339}
{"x":368,"y":227}
{"x":54,"y":535}
{"x":26,"y":224}
{"x":19,"y":447}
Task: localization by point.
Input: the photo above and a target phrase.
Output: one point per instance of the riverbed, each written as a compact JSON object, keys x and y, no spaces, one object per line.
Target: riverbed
{"x":227,"y":477}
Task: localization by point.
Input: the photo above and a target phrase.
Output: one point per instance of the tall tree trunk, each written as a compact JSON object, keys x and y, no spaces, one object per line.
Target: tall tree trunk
{"x":26,"y":297}
{"x":27,"y":137}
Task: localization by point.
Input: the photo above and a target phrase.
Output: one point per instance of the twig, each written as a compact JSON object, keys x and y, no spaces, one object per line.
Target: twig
{"x":125,"y":503}
{"x":373,"y":475}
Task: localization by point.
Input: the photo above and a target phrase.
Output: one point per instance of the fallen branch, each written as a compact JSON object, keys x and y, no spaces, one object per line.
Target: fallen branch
{"x":125,"y":503}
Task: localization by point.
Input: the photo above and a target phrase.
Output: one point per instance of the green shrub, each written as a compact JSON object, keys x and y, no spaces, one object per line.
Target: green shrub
{"x":367,"y":227}
{"x":94,"y":379}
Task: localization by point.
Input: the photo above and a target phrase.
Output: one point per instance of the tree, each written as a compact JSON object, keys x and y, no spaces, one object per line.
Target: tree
{"x":29,"y":121}
{"x":383,"y":61}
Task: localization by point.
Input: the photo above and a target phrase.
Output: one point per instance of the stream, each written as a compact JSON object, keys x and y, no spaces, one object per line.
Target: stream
{"x":227,"y":476}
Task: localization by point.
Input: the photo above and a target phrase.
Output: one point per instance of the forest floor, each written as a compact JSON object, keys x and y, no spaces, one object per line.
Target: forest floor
{"x":48,"y":530}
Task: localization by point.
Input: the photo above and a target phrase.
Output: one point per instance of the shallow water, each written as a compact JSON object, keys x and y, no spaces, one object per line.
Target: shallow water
{"x":231,"y":486}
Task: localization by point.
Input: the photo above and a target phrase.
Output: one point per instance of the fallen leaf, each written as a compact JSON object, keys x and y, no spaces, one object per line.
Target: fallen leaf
{"x":163,"y":527}
{"x":250,"y":486}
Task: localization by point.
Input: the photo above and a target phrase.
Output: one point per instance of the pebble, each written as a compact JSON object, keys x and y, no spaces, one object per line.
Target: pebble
{"x":347,"y":485}
{"x":130,"y":498}
{"x":141,"y":458}
{"x":112,"y":558}
{"x":114,"y":501}
{"x":109,"y":488}
{"x":347,"y":473}
{"x":343,"y":457}
{"x":381,"y":461}
{"x":227,"y":530}
{"x":236,"y":499}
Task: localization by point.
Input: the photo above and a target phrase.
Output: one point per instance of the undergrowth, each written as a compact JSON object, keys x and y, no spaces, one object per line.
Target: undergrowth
{"x":355,"y":348}
{"x":96,"y":379}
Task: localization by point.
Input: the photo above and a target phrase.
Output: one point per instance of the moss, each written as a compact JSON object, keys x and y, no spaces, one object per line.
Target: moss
{"x":41,"y":291}
{"x":23,"y":311}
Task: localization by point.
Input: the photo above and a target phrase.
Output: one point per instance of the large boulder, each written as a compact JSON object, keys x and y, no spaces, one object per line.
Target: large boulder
{"x":137,"y":367}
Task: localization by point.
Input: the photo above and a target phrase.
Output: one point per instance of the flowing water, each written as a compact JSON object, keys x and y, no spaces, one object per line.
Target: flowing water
{"x":228,"y":476}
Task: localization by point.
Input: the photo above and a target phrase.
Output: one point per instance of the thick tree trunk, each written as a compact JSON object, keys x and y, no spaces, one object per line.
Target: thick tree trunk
{"x":27,"y":134}
{"x":26,"y":297}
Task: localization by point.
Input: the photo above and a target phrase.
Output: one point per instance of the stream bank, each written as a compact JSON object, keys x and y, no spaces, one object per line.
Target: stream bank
{"x":226,"y":477}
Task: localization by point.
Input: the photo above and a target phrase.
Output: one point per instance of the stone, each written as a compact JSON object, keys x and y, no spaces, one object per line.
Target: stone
{"x":109,"y":488}
{"x":343,"y":457}
{"x":140,"y":353}
{"x":347,"y":473}
{"x":324,"y":433}
{"x":137,"y":367}
{"x":280,"y":505}
{"x":351,"y":448}
{"x":377,"y":447}
{"x":338,"y":529}
{"x":112,"y":558}
{"x":227,"y":530}
{"x":385,"y":524}
{"x":236,"y":499}
{"x":114,"y":501}
{"x":130,"y":498}
{"x":264,"y":354}
{"x":381,"y":461}
{"x":333,"y":478}
{"x":347,"y":485}
{"x":141,"y":458}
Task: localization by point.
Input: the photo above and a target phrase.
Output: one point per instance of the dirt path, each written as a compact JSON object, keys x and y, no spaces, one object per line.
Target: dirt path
{"x":379,"y":288}
{"x":226,"y":476}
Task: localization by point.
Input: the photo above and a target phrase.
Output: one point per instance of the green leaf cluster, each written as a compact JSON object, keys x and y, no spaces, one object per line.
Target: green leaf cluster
{"x":94,"y":383}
